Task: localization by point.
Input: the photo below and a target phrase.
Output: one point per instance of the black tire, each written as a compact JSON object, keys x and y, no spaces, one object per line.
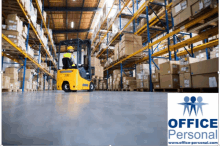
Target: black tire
{"x":91,"y":87}
{"x":66,"y":87}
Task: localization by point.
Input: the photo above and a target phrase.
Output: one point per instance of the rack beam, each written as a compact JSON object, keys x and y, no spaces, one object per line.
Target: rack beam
{"x":45,"y":26}
{"x":26,"y":55}
{"x":33,"y":28}
{"x":188,"y":25}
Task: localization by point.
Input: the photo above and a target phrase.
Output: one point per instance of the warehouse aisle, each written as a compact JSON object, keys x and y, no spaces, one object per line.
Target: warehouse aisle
{"x":84,"y":118}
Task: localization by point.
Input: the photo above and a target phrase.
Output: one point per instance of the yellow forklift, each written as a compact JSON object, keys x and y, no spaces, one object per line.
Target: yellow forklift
{"x":75,"y":76}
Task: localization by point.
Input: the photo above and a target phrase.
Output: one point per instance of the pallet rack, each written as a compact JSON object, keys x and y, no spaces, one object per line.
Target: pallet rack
{"x":21,"y":56}
{"x":127,"y":63}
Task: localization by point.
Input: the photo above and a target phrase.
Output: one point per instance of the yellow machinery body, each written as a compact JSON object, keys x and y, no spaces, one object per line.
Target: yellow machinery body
{"x":72,"y":76}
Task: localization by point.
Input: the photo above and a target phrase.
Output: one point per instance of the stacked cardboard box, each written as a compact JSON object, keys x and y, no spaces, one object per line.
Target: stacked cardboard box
{"x":31,"y":11}
{"x":5,"y":82}
{"x":169,"y":77}
{"x":110,"y":82}
{"x":129,"y":83}
{"x":28,"y":78}
{"x":185,"y":72}
{"x":15,"y":31}
{"x":214,"y":53}
{"x":95,"y":62}
{"x":142,"y":75}
{"x":116,"y":84}
{"x":156,"y":80}
{"x":13,"y":74}
{"x":182,"y":10}
{"x":116,"y":53}
{"x":205,"y":74}
{"x":129,"y":44}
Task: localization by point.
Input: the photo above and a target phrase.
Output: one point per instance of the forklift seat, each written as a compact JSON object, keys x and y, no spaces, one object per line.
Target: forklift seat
{"x":67,"y":64}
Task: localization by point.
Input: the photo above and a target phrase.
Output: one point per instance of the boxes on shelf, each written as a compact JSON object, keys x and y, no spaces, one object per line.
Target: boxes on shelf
{"x":185,"y":80}
{"x":169,"y":81}
{"x":28,"y":75}
{"x":129,"y":44}
{"x":155,"y":77}
{"x":158,"y":63}
{"x":214,"y":53}
{"x":182,"y":10}
{"x":171,"y":67}
{"x":206,"y":66}
{"x":156,"y":85}
{"x":204,"y":73}
{"x":208,"y":80}
{"x":5,"y":82}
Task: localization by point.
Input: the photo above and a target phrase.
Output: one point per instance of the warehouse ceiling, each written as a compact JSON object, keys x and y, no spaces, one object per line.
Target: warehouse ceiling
{"x":72,"y":18}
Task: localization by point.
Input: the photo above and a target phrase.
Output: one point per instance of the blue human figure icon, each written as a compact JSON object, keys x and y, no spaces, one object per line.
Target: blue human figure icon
{"x":186,"y":104}
{"x":199,"y":104}
{"x":193,"y":107}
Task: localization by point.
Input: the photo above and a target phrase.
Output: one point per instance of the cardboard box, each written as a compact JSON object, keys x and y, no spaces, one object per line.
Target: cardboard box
{"x":171,"y":67}
{"x":185,"y":68}
{"x":214,"y":54}
{"x":146,"y":84}
{"x":181,"y":6}
{"x":156,"y":85}
{"x":181,"y":17}
{"x":205,"y":80}
{"x":140,"y":83}
{"x":200,"y":5}
{"x":185,"y":80}
{"x":169,"y":81}
{"x":127,"y":37}
{"x":203,"y":67}
{"x":11,"y":70}
{"x":156,"y":77}
{"x":5,"y":82}
{"x":28,"y":75}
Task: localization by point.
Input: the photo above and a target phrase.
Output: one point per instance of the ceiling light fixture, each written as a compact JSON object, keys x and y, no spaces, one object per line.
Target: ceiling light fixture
{"x":72,"y":24}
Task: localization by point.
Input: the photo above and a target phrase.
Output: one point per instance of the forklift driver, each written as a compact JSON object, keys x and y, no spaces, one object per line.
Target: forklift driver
{"x":68,"y":63}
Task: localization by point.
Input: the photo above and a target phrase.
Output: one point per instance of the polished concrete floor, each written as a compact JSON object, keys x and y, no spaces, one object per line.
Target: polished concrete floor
{"x":84,"y":118}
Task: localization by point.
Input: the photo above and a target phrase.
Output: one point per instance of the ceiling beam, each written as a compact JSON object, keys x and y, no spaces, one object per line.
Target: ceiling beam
{"x":71,"y":31}
{"x":72,"y":9}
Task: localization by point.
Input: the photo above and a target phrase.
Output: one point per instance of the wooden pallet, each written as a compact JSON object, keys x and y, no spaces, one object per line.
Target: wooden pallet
{"x":166,"y":90}
{"x":200,"y":90}
{"x":143,"y":89}
{"x":116,"y":89}
{"x":129,"y":89}
{"x":6,"y":90}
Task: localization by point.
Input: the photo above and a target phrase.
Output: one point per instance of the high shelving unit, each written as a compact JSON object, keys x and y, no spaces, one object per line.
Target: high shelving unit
{"x":20,"y":56}
{"x":162,"y":23}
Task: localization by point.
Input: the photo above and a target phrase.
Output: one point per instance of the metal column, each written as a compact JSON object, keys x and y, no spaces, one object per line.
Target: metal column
{"x":191,"y":46}
{"x":174,"y":39}
{"x":58,"y":57}
{"x":149,"y":50}
{"x":107,"y":60}
{"x":38,"y":71}
{"x":167,"y":23}
{"x":25,"y":60}
{"x":133,"y":15}
{"x":206,"y":49}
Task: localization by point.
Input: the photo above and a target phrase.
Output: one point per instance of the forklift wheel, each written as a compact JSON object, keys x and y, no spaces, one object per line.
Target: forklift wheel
{"x":66,"y":87}
{"x":91,"y":87}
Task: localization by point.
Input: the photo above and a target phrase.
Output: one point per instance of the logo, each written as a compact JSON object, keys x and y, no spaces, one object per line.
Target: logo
{"x":86,"y":85}
{"x":192,"y":119}
{"x":193,"y":105}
